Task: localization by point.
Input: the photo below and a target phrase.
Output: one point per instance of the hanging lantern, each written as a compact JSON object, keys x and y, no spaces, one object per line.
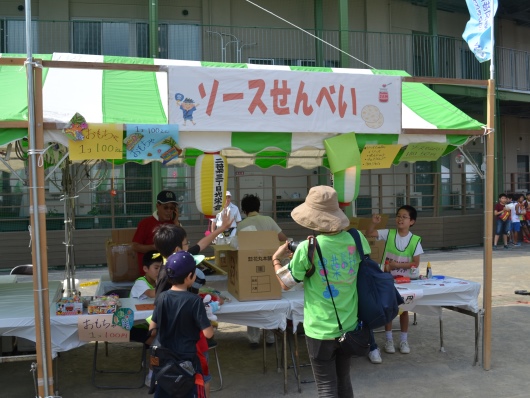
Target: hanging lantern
{"x":346,"y":183}
{"x":211,"y":181}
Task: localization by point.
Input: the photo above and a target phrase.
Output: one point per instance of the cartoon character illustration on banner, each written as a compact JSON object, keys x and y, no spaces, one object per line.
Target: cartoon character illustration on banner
{"x":188,"y":106}
{"x":74,"y":130}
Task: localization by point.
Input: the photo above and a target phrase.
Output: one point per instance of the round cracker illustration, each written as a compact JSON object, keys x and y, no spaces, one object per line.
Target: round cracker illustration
{"x":378,"y":123}
{"x":370,"y":113}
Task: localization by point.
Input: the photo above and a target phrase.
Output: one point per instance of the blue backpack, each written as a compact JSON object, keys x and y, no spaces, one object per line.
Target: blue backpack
{"x":379,"y":299}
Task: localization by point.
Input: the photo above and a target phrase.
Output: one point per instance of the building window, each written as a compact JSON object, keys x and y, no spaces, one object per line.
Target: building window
{"x":87,"y":38}
{"x":115,"y":39}
{"x":180,"y":42}
{"x":13,"y":37}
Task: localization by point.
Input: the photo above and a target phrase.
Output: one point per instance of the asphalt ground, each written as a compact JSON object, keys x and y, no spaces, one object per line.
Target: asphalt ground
{"x":424,"y":372}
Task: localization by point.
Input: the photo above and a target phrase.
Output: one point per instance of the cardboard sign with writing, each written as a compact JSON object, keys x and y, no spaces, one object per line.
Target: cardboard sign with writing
{"x":100,"y":328}
{"x":423,"y":151}
{"x":378,"y":156}
{"x":101,"y":141}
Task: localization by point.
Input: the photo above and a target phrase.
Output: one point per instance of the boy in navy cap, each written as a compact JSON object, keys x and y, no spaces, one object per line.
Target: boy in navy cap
{"x":179,"y":315}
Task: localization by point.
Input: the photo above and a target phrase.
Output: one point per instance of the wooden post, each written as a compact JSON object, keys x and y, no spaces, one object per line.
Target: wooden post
{"x":39,"y":248}
{"x":488,"y":227}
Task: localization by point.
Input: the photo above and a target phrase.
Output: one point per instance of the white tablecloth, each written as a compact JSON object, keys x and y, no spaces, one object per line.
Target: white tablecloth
{"x":429,"y":297}
{"x":8,"y":278}
{"x":17,"y":317}
{"x":266,"y":314}
{"x":17,"y":311}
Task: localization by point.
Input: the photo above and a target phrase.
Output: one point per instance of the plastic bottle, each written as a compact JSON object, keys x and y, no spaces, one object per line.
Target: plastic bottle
{"x":429,"y":271}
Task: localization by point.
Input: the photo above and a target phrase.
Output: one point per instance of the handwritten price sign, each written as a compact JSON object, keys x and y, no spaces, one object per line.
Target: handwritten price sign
{"x":101,"y":141}
{"x":152,"y":141}
{"x":100,"y":328}
{"x":423,"y":151}
{"x":378,"y":156}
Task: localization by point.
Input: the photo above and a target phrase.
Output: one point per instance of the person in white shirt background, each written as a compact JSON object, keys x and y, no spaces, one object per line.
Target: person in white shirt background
{"x":234,"y":214}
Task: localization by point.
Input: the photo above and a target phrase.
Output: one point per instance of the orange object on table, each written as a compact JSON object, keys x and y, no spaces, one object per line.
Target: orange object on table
{"x":401,"y":279}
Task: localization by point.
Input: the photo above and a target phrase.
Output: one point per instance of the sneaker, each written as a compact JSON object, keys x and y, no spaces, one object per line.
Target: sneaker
{"x":506,"y":247}
{"x":389,"y":347}
{"x":516,"y":244}
{"x":526,"y":240}
{"x":375,"y":356}
{"x":494,"y":247}
{"x":404,"y":347}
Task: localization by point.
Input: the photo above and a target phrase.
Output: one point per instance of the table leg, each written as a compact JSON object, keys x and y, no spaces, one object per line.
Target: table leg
{"x":264,"y":352}
{"x":285,"y":361}
{"x":442,"y":349}
{"x":476,"y":315}
{"x":297,"y":361}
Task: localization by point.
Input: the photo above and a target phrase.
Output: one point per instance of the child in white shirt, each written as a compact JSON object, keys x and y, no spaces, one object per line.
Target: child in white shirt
{"x":144,"y":286}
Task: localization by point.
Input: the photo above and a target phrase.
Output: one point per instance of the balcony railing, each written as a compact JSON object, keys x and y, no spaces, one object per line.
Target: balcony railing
{"x":418,"y":54}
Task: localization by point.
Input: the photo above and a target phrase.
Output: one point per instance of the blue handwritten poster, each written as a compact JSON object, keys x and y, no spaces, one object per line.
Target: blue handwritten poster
{"x":152,"y":142}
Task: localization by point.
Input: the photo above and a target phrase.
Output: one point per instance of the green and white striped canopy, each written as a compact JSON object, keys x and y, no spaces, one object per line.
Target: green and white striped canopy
{"x":109,"y":96}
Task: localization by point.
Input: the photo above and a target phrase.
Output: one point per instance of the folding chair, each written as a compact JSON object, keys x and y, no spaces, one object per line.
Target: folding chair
{"x":213,"y":347}
{"x":26,"y":269}
{"x":142,"y":370}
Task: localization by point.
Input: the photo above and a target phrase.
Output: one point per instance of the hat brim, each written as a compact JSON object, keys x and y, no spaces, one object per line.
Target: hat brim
{"x":318,"y":220}
{"x":198,"y":258}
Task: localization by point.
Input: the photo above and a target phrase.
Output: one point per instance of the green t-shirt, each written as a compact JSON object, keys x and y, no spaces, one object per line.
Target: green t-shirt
{"x":342,"y":262}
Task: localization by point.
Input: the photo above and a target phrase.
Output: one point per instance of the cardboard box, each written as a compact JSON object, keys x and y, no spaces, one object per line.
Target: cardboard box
{"x":122,"y":262}
{"x":251,"y":275}
{"x":377,"y":246}
{"x":123,"y":235}
{"x":378,"y":249}
{"x":221,"y":258}
{"x":362,"y":224}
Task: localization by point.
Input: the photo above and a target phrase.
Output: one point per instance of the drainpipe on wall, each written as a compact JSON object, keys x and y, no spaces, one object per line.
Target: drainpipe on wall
{"x":156,"y":167}
{"x":432,"y":12}
{"x":319,"y":25}
{"x":343,"y":34}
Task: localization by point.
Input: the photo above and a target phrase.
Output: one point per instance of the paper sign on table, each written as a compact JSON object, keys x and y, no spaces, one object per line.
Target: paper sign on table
{"x":423,"y":151}
{"x":378,"y":156}
{"x":100,"y":328}
{"x":101,"y":141}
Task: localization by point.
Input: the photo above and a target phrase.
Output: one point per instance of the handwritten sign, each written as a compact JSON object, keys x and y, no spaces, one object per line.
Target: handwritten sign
{"x":101,"y":141}
{"x":423,"y":151}
{"x":152,"y":142}
{"x":378,"y":156}
{"x":100,"y":328}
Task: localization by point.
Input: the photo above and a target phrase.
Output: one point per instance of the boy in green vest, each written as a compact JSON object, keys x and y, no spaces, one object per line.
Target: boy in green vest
{"x":144,"y":286}
{"x":401,"y":258}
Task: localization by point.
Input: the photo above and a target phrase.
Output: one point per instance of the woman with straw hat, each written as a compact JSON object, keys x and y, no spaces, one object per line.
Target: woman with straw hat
{"x":320,"y":212}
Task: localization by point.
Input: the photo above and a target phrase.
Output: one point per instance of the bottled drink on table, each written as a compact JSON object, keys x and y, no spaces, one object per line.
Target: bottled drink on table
{"x":429,"y":271}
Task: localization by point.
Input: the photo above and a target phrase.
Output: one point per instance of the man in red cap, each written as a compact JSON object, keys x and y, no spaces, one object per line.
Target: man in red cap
{"x":166,"y":213}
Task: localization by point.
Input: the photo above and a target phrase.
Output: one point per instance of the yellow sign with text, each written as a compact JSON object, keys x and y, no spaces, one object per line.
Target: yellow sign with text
{"x":423,"y":151}
{"x":378,"y":156}
{"x":101,"y":141}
